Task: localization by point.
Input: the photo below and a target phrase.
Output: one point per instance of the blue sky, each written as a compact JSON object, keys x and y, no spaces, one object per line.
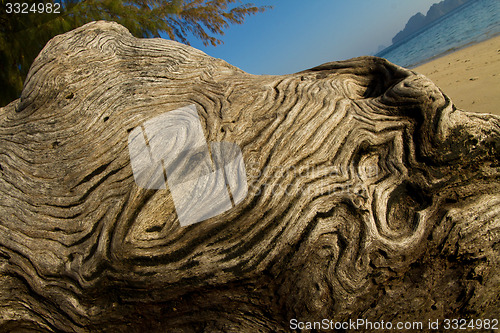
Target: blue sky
{"x":296,"y":35}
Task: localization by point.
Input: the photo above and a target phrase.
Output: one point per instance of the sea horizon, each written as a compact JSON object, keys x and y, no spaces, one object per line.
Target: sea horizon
{"x":469,"y":24}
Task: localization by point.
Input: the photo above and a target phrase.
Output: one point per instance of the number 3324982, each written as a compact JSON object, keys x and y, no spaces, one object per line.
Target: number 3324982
{"x":25,"y":8}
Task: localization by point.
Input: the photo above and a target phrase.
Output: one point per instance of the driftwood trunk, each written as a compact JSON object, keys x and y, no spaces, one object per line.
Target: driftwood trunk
{"x":370,"y":196}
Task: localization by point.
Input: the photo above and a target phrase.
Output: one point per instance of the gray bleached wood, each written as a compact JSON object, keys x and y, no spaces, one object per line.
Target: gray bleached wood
{"x":369,"y":196}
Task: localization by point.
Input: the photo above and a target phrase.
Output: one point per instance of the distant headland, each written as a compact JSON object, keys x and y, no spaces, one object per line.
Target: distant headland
{"x":419,"y":20}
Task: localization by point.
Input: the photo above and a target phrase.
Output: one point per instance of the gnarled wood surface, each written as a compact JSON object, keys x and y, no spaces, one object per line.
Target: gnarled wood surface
{"x":369,"y":196}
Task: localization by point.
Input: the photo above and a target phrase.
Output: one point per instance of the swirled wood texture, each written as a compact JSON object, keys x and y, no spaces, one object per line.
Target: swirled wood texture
{"x":369,"y":196}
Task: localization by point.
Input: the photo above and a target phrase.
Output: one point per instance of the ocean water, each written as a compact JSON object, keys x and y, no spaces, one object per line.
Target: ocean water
{"x":473,"y":22}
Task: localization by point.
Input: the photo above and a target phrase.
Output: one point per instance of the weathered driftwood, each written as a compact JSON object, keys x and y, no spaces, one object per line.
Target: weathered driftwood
{"x":369,"y":196}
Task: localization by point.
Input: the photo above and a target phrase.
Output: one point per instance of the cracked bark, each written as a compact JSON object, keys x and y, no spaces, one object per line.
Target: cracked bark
{"x":370,"y":196}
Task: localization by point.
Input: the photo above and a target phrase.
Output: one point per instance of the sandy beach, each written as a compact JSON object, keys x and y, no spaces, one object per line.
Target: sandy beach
{"x":470,"y":76}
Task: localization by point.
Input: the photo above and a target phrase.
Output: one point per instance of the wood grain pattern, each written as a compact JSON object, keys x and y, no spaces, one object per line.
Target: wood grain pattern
{"x":370,"y":196}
